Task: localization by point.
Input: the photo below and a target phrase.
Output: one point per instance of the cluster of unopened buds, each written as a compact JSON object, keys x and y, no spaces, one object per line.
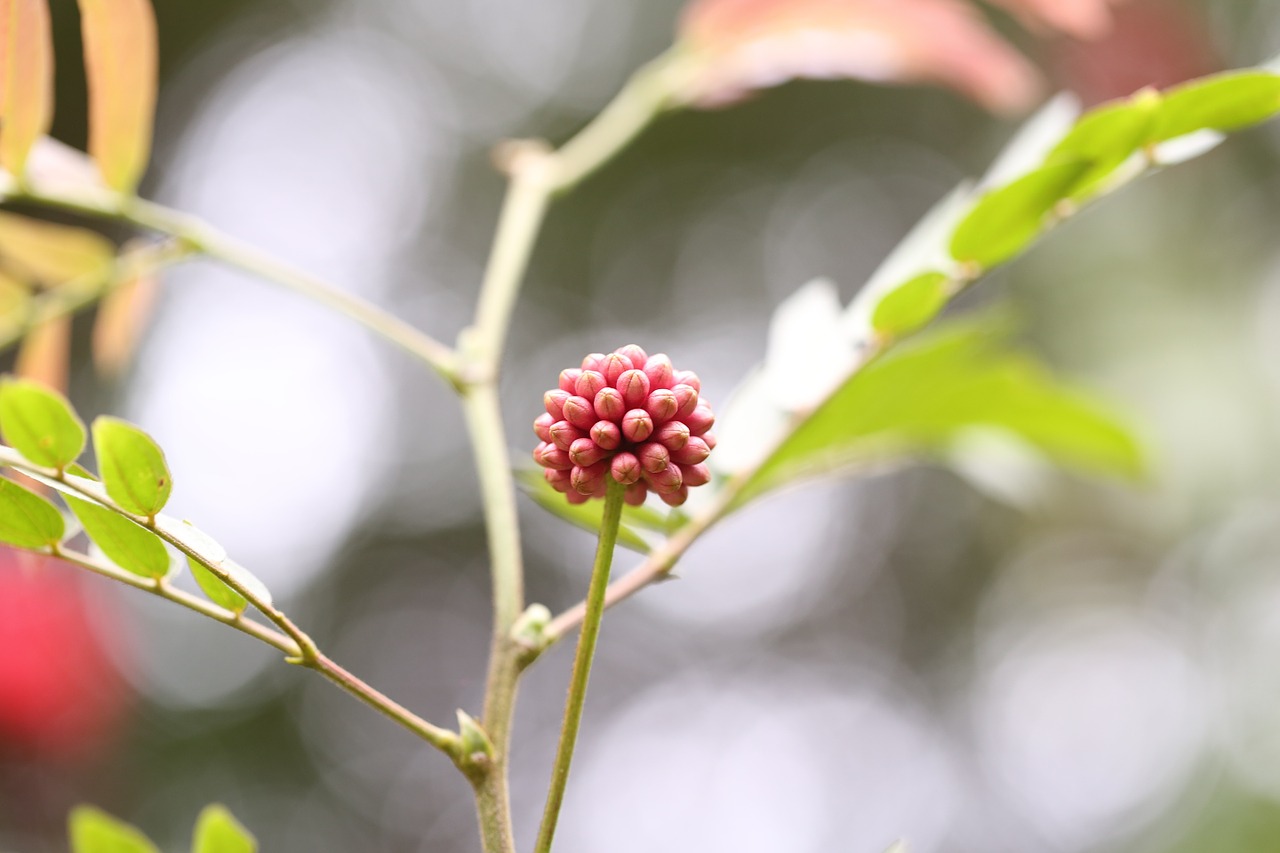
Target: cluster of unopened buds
{"x":627,"y":416}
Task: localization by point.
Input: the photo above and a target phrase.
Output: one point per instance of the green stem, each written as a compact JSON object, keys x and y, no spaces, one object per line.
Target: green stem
{"x":582,"y":663}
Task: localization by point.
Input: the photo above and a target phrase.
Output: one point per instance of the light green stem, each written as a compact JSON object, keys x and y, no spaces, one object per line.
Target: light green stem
{"x":582,"y":663}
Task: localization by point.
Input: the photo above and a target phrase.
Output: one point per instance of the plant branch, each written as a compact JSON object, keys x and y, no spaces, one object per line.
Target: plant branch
{"x":577,"y":698}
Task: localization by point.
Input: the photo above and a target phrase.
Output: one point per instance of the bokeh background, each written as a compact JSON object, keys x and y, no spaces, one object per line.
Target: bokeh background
{"x":1082,"y":667}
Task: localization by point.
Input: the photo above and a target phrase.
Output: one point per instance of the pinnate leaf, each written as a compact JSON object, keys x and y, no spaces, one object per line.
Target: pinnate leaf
{"x":912,"y":304}
{"x":28,"y":520}
{"x":217,"y":831}
{"x":132,"y":548}
{"x":133,"y":466}
{"x":26,"y":79}
{"x":39,"y":423}
{"x":217,"y":591}
{"x":52,"y":254}
{"x":1222,"y":102}
{"x":95,"y":831}
{"x":1006,"y":220}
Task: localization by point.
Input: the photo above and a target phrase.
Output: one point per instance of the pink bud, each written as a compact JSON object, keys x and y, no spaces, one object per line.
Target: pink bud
{"x":579,"y":412}
{"x":673,"y":434}
{"x":559,"y":480}
{"x":687,"y":400}
{"x":636,"y":494}
{"x":564,"y":434}
{"x":710,"y":440}
{"x":585,"y":480}
{"x":700,"y":419}
{"x":609,"y":405}
{"x":542,"y":426}
{"x":613,"y":366}
{"x":607,"y":434}
{"x":550,"y":456}
{"x":569,"y":379}
{"x":634,"y":385}
{"x":688,"y":377}
{"x":554,"y":401}
{"x":692,"y":453}
{"x":637,"y":425}
{"x":585,"y":452}
{"x":592,"y":361}
{"x":675,"y":498}
{"x":635,"y":354}
{"x":696,"y":475}
{"x":658,"y":369}
{"x":665,"y":481}
{"x":662,"y":405}
{"x":626,"y":468}
{"x":653,"y":457}
{"x":589,"y":384}
{"x":576,"y":498}
{"x":602,"y":487}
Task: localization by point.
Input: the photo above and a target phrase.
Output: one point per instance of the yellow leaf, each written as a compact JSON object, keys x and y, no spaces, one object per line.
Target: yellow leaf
{"x":26,"y":79}
{"x":45,"y":354}
{"x":52,"y":254}
{"x":120,"y":62}
{"x":122,"y":317}
{"x":15,"y":301}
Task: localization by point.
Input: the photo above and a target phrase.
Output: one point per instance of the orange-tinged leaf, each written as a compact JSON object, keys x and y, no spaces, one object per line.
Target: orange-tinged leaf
{"x":120,"y":62}
{"x":1086,"y":19}
{"x":122,"y":318}
{"x":26,"y":79}
{"x":52,"y":254}
{"x":45,"y":354}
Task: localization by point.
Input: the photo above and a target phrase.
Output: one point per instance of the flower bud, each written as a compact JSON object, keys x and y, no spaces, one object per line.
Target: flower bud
{"x":542,"y":426}
{"x":634,"y":385}
{"x":569,"y":379}
{"x":653,"y":457}
{"x":609,"y":405}
{"x":592,"y":361}
{"x":673,"y":434}
{"x":626,"y":468}
{"x":579,"y":412}
{"x":696,"y":475}
{"x":554,"y":402}
{"x":587,"y":479}
{"x":557,"y":479}
{"x":550,"y":456}
{"x":637,"y":425}
{"x":692,"y":453}
{"x":607,"y":434}
{"x":662,"y":405}
{"x":564,"y":434}
{"x":688,"y":377}
{"x":667,"y":480}
{"x":636,"y":494}
{"x":675,"y":498}
{"x":585,"y":452}
{"x":710,"y":439}
{"x":700,"y":419}
{"x":613,"y":366}
{"x":658,"y":369}
{"x":575,"y":497}
{"x":636,"y":355}
{"x":686,"y":400}
{"x":589,"y":384}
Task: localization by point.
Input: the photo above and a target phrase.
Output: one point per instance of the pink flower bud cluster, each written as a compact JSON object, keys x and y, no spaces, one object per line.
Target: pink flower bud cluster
{"x":627,"y":416}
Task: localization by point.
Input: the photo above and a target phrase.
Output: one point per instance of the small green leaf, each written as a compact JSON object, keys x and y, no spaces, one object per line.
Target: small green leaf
{"x":39,"y":423}
{"x":28,"y":520}
{"x":94,"y":831}
{"x":589,"y":515}
{"x":132,"y":548}
{"x":219,"y":593}
{"x":1229,"y":101}
{"x":1006,"y":220}
{"x":133,"y":467}
{"x":1107,"y":136}
{"x":911,"y":305}
{"x":217,"y":831}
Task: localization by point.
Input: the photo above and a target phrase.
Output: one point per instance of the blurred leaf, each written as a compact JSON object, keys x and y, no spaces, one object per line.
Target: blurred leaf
{"x":122,"y":316}
{"x":133,"y":466}
{"x":911,"y":305}
{"x":28,"y":520}
{"x":217,"y":831}
{"x":1084,"y":19}
{"x":217,"y":591}
{"x":26,"y":79}
{"x":1107,"y":136}
{"x":94,"y":831}
{"x":134,"y":549}
{"x":1222,"y":102}
{"x":1006,"y":220}
{"x":734,"y":47}
{"x":53,"y":254}
{"x":917,"y":398}
{"x":39,"y":423}
{"x":120,"y":63}
{"x":44,"y":356}
{"x":589,"y":515}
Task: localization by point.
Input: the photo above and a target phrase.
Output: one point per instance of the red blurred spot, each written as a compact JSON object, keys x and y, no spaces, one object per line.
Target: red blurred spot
{"x":61,"y":695}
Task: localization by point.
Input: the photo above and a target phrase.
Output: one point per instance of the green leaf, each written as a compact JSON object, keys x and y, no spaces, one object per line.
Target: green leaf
{"x":28,"y":520}
{"x":132,"y":548}
{"x":920,"y":397}
{"x":589,"y":515}
{"x":39,"y":423}
{"x":219,"y":593}
{"x":1006,"y":220}
{"x":133,"y":467}
{"x":1229,"y":101}
{"x":217,"y":831}
{"x":911,"y":305}
{"x":94,"y":831}
{"x":1106,"y":137}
